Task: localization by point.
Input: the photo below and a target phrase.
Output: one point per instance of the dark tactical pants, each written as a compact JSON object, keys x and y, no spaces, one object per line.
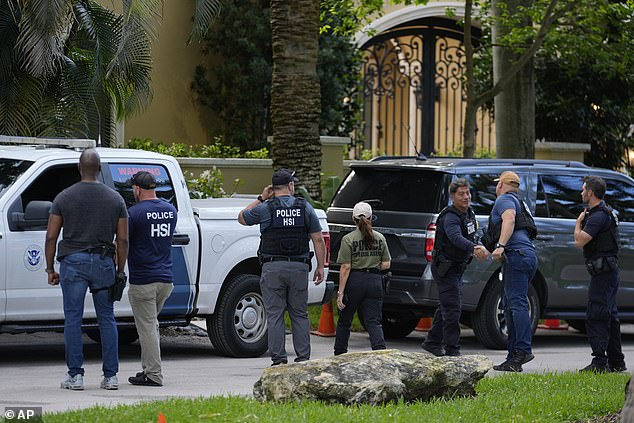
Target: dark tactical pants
{"x":446,"y":325}
{"x":363,"y":291}
{"x":602,"y":321}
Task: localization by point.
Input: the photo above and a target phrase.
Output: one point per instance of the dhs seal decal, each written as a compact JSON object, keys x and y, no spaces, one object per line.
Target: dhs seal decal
{"x":33,"y":257}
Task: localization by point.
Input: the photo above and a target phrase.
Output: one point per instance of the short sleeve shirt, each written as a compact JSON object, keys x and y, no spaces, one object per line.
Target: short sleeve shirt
{"x":262,"y":214}
{"x":90,"y":213}
{"x":596,"y":222}
{"x":519,"y":239}
{"x":355,"y":252}
{"x":151,"y":228}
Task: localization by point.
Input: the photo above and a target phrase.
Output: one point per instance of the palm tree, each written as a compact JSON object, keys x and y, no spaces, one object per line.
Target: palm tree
{"x":295,"y":94}
{"x":72,"y":68}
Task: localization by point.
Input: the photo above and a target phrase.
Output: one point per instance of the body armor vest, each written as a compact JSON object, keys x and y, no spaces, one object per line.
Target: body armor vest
{"x":287,"y":236}
{"x":468,"y":227}
{"x":605,"y":243}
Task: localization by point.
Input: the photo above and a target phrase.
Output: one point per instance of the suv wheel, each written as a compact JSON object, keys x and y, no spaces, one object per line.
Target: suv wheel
{"x":489,"y":321}
{"x":398,"y":325}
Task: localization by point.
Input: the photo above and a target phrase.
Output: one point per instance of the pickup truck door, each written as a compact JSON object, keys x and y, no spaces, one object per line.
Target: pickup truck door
{"x":23,"y":243}
{"x":171,"y":188}
{"x":3,"y":269}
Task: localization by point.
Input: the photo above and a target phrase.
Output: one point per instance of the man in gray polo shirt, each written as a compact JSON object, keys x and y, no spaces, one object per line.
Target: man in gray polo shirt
{"x":287,"y":224}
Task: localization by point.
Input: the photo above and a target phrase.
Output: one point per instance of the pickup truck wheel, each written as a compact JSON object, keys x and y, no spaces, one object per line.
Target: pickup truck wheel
{"x":126,"y":335}
{"x":238,"y":327}
{"x":398,"y":325}
{"x":489,"y":321}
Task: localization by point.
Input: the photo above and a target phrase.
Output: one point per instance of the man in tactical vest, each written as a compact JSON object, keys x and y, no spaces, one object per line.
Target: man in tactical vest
{"x":515,"y":249}
{"x":286,"y":225}
{"x":596,"y":232}
{"x":454,"y":248}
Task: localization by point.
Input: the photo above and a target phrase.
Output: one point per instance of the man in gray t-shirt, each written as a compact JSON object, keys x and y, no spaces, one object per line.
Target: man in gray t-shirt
{"x":91,"y":215}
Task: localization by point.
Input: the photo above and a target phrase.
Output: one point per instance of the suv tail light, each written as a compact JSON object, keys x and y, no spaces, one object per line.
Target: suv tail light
{"x":327,"y":242}
{"x":430,"y":237}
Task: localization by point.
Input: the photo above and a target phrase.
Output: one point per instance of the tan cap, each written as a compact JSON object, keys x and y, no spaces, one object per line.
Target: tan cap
{"x":510,"y":178}
{"x":362,"y":209}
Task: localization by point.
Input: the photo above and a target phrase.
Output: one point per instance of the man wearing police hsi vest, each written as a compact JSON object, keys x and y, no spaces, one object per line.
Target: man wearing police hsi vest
{"x":596,"y":232}
{"x":286,"y":225}
{"x":453,"y":249}
{"x":151,"y":226}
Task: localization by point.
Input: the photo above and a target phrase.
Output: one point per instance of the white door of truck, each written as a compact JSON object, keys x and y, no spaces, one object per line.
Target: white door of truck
{"x":185,"y":242}
{"x":28,"y":295}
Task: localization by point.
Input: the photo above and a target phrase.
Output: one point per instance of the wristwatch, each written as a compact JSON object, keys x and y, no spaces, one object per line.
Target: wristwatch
{"x":49,"y":270}
{"x":498,"y":245}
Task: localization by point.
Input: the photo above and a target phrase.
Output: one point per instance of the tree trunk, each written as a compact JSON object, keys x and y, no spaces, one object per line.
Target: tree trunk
{"x":471,"y":109}
{"x":515,"y":106}
{"x":295,"y":93}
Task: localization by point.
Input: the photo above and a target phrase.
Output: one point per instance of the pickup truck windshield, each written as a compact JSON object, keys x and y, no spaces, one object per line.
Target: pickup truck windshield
{"x":10,"y":170}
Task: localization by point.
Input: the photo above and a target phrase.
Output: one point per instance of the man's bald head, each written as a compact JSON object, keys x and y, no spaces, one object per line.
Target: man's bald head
{"x":89,"y":164}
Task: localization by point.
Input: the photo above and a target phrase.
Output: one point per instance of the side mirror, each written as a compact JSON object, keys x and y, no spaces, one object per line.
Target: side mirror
{"x":35,"y":216}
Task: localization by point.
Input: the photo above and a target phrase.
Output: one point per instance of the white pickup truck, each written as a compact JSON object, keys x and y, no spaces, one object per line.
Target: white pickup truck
{"x":216,"y":269}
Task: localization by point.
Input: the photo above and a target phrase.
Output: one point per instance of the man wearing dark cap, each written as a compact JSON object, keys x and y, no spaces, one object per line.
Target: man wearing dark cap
{"x":286,"y":225}
{"x":516,"y":228}
{"x":151,"y":226}
{"x":93,"y":216}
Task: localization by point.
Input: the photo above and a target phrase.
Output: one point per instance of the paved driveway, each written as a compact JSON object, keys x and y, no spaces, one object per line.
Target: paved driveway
{"x":31,"y":366}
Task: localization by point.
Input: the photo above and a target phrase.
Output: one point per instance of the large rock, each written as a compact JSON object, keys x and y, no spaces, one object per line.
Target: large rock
{"x":373,"y":377}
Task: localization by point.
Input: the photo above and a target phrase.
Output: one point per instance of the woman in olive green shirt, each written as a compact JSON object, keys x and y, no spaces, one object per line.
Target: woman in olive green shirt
{"x":363,"y":255}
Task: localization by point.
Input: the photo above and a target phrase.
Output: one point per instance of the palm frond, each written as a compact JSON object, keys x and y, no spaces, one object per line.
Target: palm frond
{"x":20,"y":99}
{"x":9,"y":17}
{"x":44,"y":29}
{"x":204,"y":17}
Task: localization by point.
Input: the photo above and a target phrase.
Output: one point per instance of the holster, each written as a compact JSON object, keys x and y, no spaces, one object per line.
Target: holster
{"x":115,"y":292}
{"x":441,"y":263}
{"x":602,"y":264}
{"x":385,"y":279}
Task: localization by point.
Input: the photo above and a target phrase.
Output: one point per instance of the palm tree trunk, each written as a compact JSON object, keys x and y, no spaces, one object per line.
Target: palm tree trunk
{"x":295,"y":93}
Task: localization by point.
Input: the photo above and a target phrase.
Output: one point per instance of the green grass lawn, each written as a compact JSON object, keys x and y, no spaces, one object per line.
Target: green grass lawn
{"x":551,"y":397}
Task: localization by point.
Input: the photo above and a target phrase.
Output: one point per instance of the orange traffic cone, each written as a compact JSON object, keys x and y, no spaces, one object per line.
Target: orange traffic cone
{"x":553,"y":324}
{"x":424,"y":324}
{"x":326,"y":321}
{"x":161,"y":418}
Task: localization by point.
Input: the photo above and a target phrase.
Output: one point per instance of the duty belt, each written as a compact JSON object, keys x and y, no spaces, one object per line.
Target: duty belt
{"x":367,"y":270}
{"x":304,"y":260}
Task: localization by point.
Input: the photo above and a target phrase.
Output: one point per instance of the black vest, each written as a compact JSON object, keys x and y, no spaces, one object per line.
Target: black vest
{"x":523,"y":220}
{"x":287,"y":236}
{"x":442,"y":242}
{"x":605,"y":243}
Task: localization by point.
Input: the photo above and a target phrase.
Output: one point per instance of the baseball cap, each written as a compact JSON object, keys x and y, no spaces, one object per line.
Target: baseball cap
{"x":509,"y":177}
{"x":283,"y":176}
{"x":362,"y":209}
{"x":144,"y":180}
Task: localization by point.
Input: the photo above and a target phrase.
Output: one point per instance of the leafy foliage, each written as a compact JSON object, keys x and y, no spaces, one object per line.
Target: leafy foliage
{"x":217,"y":149}
{"x":65,"y":63}
{"x":208,"y":184}
{"x":238,"y":91}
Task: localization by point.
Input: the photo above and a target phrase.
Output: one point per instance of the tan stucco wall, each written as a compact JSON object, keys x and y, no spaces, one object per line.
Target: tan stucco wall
{"x":172,"y":116}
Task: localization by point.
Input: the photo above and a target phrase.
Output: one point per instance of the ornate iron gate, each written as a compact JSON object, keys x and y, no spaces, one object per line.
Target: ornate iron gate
{"x":412,"y":91}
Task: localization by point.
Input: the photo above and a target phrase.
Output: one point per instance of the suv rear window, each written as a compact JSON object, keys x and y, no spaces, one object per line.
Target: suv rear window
{"x":393,"y":190}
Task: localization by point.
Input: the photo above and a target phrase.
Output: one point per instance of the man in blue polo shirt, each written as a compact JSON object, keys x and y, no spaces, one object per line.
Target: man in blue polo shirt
{"x":151,"y":226}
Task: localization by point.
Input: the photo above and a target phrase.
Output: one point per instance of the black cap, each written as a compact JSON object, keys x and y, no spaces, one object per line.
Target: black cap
{"x":144,"y":180}
{"x":283,"y":176}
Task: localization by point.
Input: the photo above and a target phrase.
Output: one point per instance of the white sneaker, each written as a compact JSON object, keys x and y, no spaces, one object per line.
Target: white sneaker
{"x":75,"y":383}
{"x":110,"y":383}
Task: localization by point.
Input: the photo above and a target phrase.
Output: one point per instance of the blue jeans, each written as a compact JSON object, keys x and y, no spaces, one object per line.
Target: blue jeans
{"x":78,"y":272}
{"x":518,"y":271}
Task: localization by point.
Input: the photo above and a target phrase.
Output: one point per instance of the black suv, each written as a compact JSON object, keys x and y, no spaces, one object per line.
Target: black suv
{"x":408,"y":193}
